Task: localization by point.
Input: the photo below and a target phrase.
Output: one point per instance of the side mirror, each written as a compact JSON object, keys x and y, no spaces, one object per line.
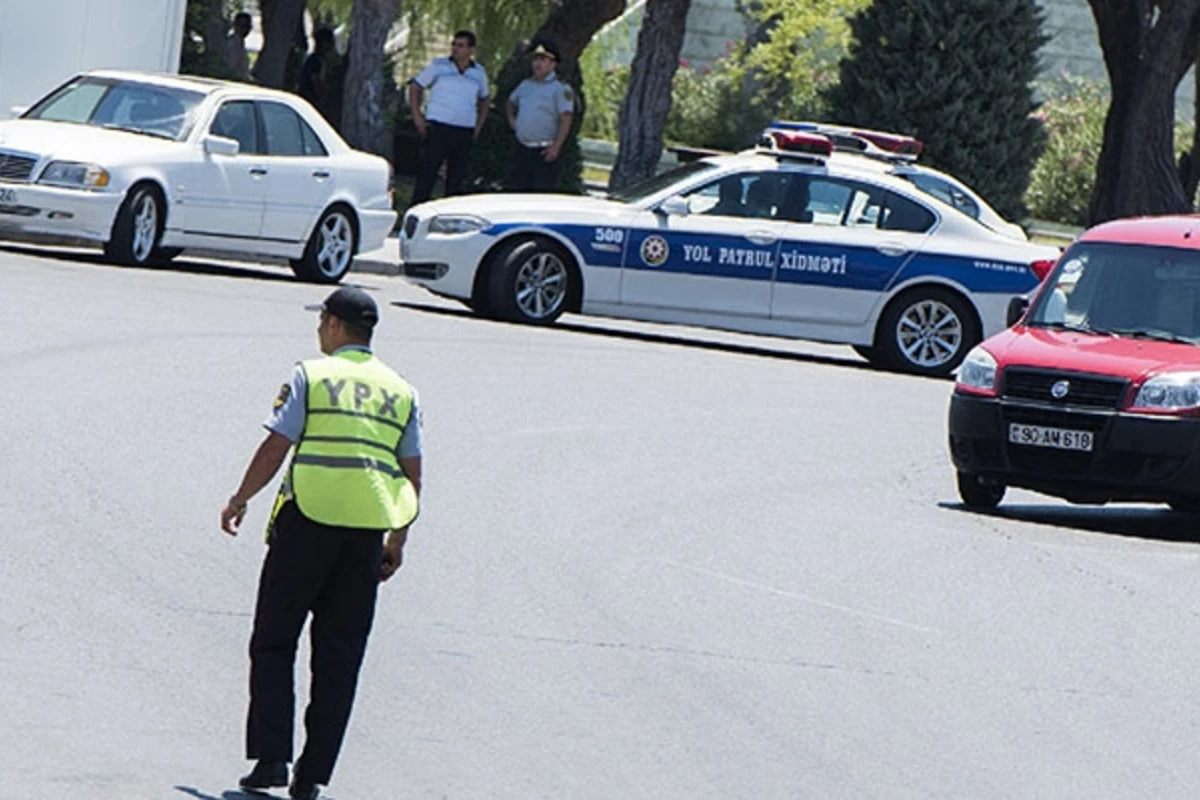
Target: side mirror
{"x":675,"y":206}
{"x":17,"y":111}
{"x":1016,"y":309}
{"x":221,"y":146}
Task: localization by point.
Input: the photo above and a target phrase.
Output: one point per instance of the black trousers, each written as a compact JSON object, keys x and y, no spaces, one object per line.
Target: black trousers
{"x":332,"y":573}
{"x":531,"y":172}
{"x":448,"y":143}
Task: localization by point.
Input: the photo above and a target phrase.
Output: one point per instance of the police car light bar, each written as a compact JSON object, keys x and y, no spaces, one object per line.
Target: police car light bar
{"x":797,"y":143}
{"x":861,"y":140}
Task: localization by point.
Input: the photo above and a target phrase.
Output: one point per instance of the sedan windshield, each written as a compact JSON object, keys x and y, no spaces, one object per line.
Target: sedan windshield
{"x":652,"y":186}
{"x":1131,"y":290}
{"x":145,"y":108}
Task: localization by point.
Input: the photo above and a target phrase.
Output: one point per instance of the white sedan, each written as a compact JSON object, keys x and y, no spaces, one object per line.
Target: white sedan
{"x":149,"y":165}
{"x":785,"y":241}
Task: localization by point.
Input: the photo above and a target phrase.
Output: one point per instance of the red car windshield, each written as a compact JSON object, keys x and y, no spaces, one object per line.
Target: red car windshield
{"x":1131,"y":290}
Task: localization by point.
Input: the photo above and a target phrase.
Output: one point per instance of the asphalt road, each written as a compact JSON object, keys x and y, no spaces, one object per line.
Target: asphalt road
{"x":652,"y":562}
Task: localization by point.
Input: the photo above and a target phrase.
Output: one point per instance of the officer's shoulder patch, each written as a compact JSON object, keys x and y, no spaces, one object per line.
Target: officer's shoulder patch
{"x":285,"y":392}
{"x":567,"y":93}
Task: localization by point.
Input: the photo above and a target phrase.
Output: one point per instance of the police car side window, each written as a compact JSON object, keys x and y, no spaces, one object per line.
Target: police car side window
{"x":235,"y":120}
{"x":752,"y":195}
{"x":902,"y":214}
{"x":829,"y":201}
{"x":944,"y":191}
{"x":282,"y":128}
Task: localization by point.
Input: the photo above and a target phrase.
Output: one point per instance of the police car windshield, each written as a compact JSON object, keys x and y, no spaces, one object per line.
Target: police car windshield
{"x":652,"y":186}
{"x":1139,"y":291}
{"x":150,"y":109}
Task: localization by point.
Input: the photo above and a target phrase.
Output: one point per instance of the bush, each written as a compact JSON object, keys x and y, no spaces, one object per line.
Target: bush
{"x":605,"y":89}
{"x":709,"y":108}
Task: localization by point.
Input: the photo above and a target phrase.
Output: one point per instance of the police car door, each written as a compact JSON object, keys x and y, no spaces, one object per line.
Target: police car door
{"x":711,"y":250}
{"x":847,"y":241}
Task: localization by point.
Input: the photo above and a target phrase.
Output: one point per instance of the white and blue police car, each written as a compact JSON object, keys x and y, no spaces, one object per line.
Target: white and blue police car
{"x":781,"y":240}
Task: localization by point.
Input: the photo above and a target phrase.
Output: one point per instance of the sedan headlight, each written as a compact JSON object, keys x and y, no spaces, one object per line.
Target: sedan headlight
{"x":978,"y":371}
{"x":1178,"y":391}
{"x":74,"y":175}
{"x":457,"y":223}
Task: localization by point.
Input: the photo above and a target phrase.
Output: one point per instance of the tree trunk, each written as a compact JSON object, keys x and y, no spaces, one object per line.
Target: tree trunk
{"x":280,"y":19}
{"x":648,"y":101}
{"x":364,"y":124}
{"x":571,"y":24}
{"x":1148,"y":47}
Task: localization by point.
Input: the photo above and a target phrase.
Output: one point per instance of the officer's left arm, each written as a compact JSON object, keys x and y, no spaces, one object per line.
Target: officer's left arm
{"x":566,"y":108}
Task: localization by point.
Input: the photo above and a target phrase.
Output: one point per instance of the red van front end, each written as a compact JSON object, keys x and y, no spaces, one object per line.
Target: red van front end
{"x":1094,"y":394}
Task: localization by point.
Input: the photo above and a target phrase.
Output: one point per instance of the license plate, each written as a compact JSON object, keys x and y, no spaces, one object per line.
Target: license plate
{"x":1060,"y":438}
{"x":8,"y":197}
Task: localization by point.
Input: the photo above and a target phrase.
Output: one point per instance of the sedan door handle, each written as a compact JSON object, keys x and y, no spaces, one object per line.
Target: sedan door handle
{"x":258,"y":170}
{"x":761,"y":237}
{"x":892,"y":250}
{"x":320,"y":174}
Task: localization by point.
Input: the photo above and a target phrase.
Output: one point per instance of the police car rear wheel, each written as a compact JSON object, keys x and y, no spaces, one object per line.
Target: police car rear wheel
{"x":528,"y":282}
{"x":978,"y":493}
{"x":927,"y":331}
{"x":137,"y":228}
{"x":330,"y":249}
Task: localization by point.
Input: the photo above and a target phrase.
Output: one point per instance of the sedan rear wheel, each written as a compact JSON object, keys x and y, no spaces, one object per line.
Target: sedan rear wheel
{"x":330,"y":249}
{"x":927,"y":331}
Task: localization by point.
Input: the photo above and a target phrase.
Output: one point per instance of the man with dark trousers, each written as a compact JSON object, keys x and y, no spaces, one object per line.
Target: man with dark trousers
{"x":355,"y":475}
{"x":453,"y":118}
{"x":539,"y":112}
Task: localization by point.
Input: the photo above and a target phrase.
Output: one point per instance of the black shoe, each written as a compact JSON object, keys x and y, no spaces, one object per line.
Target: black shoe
{"x":265,"y":775}
{"x":303,"y":791}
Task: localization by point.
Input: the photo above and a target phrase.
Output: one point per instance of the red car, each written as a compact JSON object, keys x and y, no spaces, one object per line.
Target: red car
{"x":1093,"y":394}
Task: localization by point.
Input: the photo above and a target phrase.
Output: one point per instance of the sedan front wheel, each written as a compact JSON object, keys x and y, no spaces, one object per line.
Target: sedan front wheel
{"x":528,"y":282}
{"x":137,"y":228}
{"x":330,"y":249}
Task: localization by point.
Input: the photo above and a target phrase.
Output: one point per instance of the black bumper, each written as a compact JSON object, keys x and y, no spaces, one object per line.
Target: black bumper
{"x":1134,"y":457}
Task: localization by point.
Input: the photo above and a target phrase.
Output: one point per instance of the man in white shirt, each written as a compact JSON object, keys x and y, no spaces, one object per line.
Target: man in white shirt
{"x":453,"y":118}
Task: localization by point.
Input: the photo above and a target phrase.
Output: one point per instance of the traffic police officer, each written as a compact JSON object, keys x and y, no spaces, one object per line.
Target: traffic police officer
{"x":539,"y":112}
{"x":355,"y":474}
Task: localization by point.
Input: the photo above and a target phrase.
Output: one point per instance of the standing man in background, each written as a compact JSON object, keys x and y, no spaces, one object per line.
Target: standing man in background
{"x":315,"y":85}
{"x":355,"y":475}
{"x":539,"y":113}
{"x":237,"y":60}
{"x":458,"y":105}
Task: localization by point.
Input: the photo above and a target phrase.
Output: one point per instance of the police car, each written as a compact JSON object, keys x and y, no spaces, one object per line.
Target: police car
{"x":780,"y":240}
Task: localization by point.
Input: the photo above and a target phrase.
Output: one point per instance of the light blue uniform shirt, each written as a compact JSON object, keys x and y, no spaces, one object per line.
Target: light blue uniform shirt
{"x":288,"y":417}
{"x":453,"y":94}
{"x":540,"y":105}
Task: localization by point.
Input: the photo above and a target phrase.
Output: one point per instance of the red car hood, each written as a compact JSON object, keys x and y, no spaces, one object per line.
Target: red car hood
{"x":1120,"y":357}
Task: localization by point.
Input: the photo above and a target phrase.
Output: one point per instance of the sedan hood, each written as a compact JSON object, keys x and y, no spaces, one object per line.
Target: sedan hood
{"x":1118,"y":356}
{"x":71,"y":142}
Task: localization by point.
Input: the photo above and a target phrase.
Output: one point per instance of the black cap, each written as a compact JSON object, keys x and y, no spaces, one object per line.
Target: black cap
{"x":350,"y":305}
{"x":544,"y":47}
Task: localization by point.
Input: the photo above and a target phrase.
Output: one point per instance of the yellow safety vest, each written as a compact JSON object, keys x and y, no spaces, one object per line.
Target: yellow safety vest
{"x":345,"y":471}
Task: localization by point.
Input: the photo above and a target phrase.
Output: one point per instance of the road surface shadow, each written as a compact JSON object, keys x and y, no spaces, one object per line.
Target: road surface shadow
{"x":231,"y":794}
{"x":1138,"y":522}
{"x":849,"y":362}
{"x":182,"y":264}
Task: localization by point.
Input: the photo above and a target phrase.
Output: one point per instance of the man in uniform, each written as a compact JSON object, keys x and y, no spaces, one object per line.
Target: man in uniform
{"x":355,"y":474}
{"x":539,"y":112}
{"x":458,"y":105}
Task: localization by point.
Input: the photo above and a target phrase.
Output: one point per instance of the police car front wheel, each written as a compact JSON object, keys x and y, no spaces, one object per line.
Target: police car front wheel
{"x":528,"y":281}
{"x":927,"y":331}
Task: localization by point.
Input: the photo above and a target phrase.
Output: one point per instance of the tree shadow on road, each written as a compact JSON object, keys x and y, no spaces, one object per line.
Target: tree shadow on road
{"x":182,"y":264}
{"x":1137,"y":522}
{"x":849,"y":362}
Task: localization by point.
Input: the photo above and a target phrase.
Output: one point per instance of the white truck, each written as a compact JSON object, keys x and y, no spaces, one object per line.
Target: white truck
{"x":45,"y":42}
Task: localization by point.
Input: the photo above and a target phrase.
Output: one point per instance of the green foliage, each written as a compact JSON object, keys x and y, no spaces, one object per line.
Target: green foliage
{"x":711,"y":108}
{"x":1062,"y":181}
{"x":606,"y":88}
{"x":797,"y":59}
{"x":956,"y":74}
{"x":1060,"y":186}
